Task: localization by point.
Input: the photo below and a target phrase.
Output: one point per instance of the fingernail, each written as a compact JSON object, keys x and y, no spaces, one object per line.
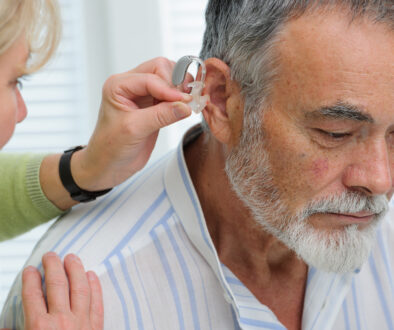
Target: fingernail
{"x":51,"y":254}
{"x":29,"y":269}
{"x":187,"y":97}
{"x":91,"y":276}
{"x":181,"y":110}
{"x":73,"y":257}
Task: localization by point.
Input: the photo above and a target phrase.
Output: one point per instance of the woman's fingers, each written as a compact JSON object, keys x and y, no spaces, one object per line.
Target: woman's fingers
{"x":127,"y":87}
{"x":56,"y":283}
{"x":82,"y":308}
{"x":159,"y":66}
{"x":147,"y":121}
{"x":79,"y":285}
{"x":32,"y":296}
{"x":165,"y":114}
{"x":96,"y":301}
{"x":163,"y":68}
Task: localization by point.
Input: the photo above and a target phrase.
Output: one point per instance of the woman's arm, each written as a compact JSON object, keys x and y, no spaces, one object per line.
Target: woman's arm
{"x":23,"y":204}
{"x":135,"y":105}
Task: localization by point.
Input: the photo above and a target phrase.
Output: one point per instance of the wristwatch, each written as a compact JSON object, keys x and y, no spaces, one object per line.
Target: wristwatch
{"x":76,"y":193}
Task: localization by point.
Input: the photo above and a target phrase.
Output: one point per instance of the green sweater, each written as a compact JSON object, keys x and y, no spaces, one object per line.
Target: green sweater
{"x":23,"y":205}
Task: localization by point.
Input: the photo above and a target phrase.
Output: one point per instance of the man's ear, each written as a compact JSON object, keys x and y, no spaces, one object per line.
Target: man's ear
{"x":224,"y":112}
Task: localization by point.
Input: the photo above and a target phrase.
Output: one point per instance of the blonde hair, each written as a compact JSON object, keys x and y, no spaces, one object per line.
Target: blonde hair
{"x":39,"y":20}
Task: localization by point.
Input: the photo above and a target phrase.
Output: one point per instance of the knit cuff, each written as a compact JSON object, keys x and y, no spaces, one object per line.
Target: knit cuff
{"x":37,"y":196}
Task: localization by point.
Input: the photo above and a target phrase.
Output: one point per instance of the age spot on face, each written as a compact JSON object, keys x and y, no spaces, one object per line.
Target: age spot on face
{"x":320,"y":167}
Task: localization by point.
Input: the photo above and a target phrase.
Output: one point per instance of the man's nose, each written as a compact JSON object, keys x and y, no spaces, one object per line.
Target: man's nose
{"x":372,"y":171}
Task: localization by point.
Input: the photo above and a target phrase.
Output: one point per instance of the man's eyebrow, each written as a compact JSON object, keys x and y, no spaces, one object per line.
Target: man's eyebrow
{"x":341,"y":110}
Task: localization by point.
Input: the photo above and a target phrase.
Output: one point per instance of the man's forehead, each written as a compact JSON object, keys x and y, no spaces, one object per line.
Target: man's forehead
{"x":325,"y":58}
{"x":330,"y":37}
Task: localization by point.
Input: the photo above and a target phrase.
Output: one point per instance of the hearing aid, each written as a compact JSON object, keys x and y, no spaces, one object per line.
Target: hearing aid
{"x":178,"y":76}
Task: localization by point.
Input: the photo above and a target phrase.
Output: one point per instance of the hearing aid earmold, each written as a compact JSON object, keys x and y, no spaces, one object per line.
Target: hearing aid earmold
{"x":178,"y":76}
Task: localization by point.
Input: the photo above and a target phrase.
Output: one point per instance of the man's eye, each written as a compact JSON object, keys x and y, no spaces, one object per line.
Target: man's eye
{"x":334,"y":135}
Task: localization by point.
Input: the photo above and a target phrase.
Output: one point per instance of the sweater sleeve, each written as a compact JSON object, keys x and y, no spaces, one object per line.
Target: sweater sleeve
{"x":23,"y":204}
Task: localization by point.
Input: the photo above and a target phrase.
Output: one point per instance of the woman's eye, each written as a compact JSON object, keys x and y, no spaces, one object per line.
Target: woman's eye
{"x":19,"y":83}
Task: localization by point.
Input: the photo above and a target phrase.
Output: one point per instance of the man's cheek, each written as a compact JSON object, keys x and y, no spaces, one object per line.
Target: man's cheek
{"x":320,"y":168}
{"x":309,"y":174}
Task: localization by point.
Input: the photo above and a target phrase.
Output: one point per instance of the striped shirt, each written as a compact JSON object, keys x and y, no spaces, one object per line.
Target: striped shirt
{"x":148,"y":242}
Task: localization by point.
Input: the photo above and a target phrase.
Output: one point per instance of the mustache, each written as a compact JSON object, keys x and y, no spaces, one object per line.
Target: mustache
{"x":348,"y":202}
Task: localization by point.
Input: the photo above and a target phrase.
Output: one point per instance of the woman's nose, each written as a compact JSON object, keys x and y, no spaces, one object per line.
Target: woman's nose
{"x":21,"y":107}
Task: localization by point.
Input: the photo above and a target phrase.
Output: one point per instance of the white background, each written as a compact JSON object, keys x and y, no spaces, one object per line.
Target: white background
{"x":100,"y":37}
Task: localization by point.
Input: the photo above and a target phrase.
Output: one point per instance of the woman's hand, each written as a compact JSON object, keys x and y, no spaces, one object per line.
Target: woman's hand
{"x":74,"y":297}
{"x":135,"y":105}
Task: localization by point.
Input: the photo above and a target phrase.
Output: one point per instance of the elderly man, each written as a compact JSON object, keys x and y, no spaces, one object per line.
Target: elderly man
{"x":276,"y":215}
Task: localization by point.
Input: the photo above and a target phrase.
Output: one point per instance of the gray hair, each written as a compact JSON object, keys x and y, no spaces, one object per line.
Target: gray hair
{"x":243,"y":34}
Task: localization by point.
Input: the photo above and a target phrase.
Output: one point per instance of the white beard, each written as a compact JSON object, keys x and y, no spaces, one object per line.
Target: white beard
{"x":341,"y":250}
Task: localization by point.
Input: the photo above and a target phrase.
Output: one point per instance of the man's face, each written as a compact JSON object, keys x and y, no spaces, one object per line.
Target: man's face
{"x":328,"y":141}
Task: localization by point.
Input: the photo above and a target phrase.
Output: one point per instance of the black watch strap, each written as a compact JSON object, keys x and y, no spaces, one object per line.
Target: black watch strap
{"x":76,"y":193}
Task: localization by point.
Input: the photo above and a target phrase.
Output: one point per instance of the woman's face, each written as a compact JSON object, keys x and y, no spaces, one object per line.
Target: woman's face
{"x":12,"y":106}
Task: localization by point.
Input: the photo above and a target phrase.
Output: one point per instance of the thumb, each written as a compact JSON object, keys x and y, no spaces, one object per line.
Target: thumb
{"x":164,"y":114}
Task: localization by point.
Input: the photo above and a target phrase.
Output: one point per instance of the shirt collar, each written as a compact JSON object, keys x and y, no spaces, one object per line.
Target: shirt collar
{"x":185,"y":201}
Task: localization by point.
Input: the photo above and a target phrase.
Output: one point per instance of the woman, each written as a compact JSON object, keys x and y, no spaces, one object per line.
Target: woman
{"x":120,"y":145}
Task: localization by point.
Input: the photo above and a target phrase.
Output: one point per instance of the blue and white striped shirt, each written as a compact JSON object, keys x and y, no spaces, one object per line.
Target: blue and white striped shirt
{"x":159,"y":269}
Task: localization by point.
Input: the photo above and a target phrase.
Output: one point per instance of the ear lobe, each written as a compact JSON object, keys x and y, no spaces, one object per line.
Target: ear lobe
{"x":220,"y":88}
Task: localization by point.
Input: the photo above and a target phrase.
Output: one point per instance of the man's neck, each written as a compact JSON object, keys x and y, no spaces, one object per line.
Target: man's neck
{"x":265,"y":265}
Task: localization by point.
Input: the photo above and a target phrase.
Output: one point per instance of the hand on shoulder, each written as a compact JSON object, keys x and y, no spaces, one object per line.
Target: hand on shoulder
{"x":74,"y":297}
